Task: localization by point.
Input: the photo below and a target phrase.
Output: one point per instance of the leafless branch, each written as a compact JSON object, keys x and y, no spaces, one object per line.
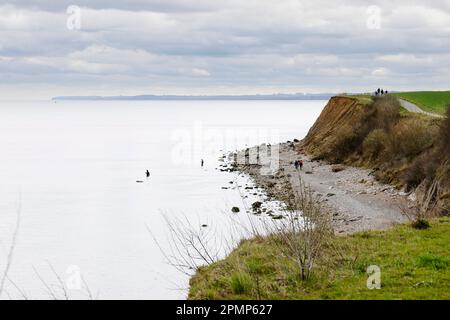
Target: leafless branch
{"x":9,"y":258}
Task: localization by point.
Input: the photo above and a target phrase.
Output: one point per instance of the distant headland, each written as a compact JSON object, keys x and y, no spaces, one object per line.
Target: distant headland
{"x":279,"y":96}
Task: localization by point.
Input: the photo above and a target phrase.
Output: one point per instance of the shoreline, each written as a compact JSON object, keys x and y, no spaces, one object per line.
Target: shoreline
{"x":355,"y":199}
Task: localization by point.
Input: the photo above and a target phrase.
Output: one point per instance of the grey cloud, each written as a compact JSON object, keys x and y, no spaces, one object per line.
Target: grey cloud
{"x":210,"y":45}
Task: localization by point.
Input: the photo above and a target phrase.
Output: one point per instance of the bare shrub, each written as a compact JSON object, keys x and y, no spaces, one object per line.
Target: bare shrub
{"x":304,"y":230}
{"x":345,"y":141}
{"x":10,"y":255}
{"x":430,"y":172}
{"x":443,"y":145}
{"x":416,"y":172}
{"x":190,"y":246}
{"x":375,"y":143}
{"x":409,"y":138}
{"x":57,"y":289}
{"x":419,"y":213}
{"x":386,"y":112}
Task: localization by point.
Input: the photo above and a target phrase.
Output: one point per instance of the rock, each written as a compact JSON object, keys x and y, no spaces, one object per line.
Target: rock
{"x":308,"y":172}
{"x":278,"y":217}
{"x":139,"y":181}
{"x":224,"y":188}
{"x":330,"y":187}
{"x":204,"y":225}
{"x":256,"y":205}
{"x":235,"y":209}
{"x":337,"y":168}
{"x":330,"y":194}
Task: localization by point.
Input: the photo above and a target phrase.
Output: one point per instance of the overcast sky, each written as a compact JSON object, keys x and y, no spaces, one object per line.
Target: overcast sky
{"x":222,"y":47}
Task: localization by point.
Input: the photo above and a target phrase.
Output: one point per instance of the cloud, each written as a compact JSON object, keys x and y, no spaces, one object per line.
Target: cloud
{"x":380,"y":72}
{"x":200,"y":72}
{"x":216,"y":46}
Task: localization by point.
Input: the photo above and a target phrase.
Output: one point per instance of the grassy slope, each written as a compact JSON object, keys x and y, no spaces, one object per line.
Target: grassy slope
{"x":432,"y":101}
{"x":415,"y":264}
{"x":364,"y":99}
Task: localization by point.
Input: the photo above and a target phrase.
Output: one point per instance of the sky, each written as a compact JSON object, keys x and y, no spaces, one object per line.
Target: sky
{"x":99,"y":47}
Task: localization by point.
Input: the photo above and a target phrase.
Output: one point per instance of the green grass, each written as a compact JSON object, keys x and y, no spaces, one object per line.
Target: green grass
{"x":431,"y":101}
{"x":415,"y":264}
{"x":364,"y":99}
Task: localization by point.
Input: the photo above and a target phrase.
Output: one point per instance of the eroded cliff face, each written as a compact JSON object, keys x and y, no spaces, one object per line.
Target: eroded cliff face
{"x":341,"y":113}
{"x":338,"y":136}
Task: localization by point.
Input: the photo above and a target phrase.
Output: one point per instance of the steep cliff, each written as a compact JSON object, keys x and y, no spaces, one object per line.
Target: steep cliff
{"x":338,"y":115}
{"x":406,"y":149}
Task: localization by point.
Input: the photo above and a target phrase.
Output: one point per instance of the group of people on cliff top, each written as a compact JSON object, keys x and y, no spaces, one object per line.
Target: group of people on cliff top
{"x":380,"y":92}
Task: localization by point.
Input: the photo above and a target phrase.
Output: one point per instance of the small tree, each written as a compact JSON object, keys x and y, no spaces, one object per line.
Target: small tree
{"x":304,"y":230}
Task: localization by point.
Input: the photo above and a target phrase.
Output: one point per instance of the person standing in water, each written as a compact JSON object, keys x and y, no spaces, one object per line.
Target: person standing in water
{"x":147,"y":173}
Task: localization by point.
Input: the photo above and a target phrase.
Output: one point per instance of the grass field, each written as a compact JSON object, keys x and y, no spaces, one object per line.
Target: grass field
{"x":415,"y":264}
{"x":431,"y":101}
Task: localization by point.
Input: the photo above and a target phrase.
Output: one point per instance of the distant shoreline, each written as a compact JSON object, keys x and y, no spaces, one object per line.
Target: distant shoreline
{"x":297,"y":96}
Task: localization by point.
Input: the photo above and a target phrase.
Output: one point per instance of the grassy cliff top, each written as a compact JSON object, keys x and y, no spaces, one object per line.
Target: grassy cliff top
{"x":415,"y":264}
{"x":364,"y":99}
{"x":431,"y":101}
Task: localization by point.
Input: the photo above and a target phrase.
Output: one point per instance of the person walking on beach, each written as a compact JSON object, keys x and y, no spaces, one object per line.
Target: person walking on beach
{"x":296,"y":164}
{"x":300,"y":164}
{"x":147,"y":173}
{"x":202,"y":163}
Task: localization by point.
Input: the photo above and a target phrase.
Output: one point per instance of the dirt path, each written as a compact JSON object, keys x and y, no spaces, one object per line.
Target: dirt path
{"x":357,"y":201}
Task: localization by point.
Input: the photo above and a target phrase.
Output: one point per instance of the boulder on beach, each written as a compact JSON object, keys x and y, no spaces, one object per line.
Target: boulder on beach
{"x":256,"y":205}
